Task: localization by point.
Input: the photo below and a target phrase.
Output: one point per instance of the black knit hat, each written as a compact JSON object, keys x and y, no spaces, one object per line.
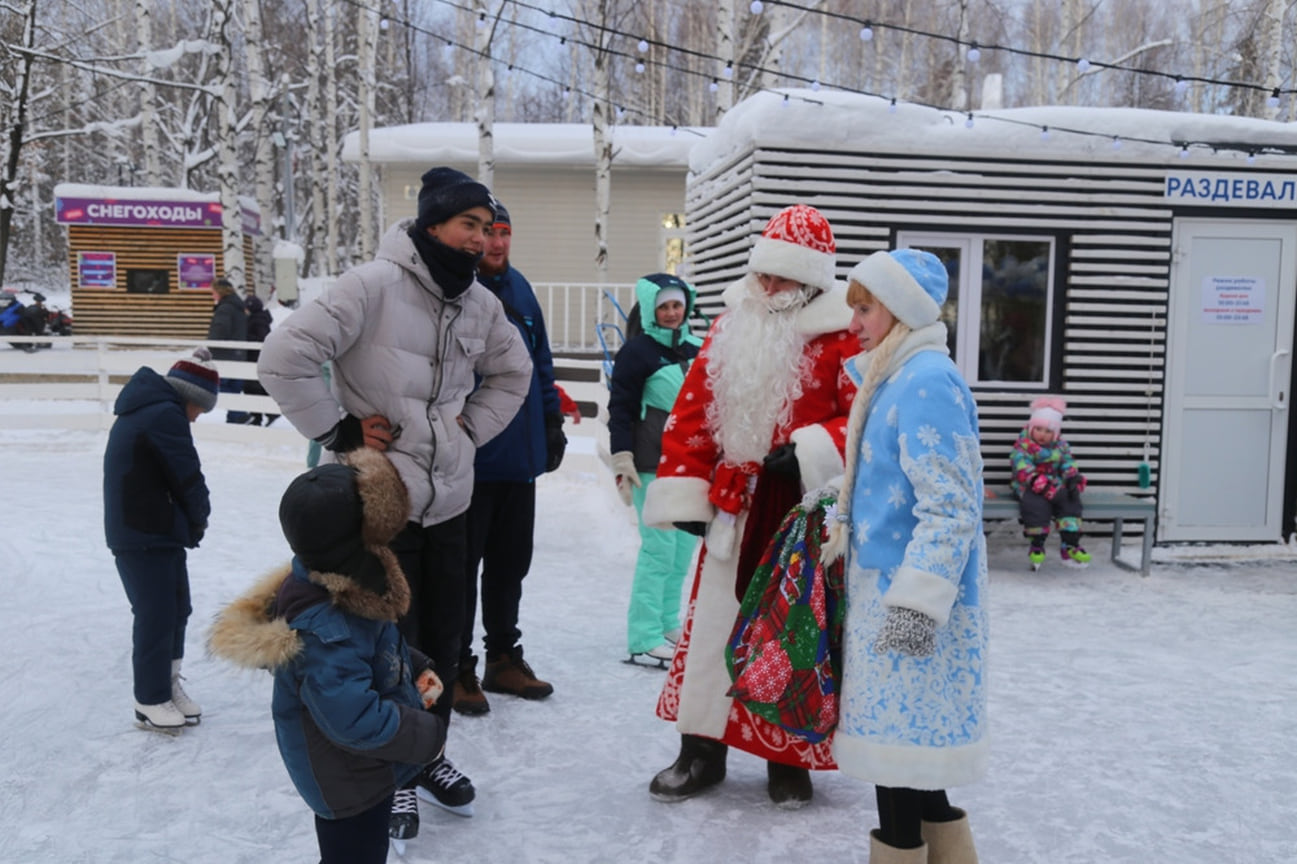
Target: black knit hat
{"x":322,"y":517}
{"x":446,"y":193}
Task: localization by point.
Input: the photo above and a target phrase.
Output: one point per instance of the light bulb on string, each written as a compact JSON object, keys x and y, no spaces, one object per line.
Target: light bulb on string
{"x":866,"y":33}
{"x":1083,"y":65}
{"x":815,"y":85}
{"x":1116,"y":143}
{"x":968,"y":121}
{"x":639,"y":68}
{"x":974,"y":53}
{"x":714,"y":86}
{"x":1251,"y":157}
{"x":756,"y":7}
{"x":567,"y":94}
{"x":1181,"y":86}
{"x":481,"y":21}
{"x":642,"y":46}
{"x":673,"y":131}
{"x":728,"y":71}
{"x":891,"y":107}
{"x":1184,"y":151}
{"x":1044,"y":133}
{"x":785,"y":102}
{"x":1273,"y":100}
{"x":383,"y":24}
{"x":621,"y":112}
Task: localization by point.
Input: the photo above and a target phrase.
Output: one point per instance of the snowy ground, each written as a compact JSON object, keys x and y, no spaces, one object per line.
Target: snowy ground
{"x":1136,"y":719}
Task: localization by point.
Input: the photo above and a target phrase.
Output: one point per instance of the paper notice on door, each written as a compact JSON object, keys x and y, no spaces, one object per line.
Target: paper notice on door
{"x":1233,"y":300}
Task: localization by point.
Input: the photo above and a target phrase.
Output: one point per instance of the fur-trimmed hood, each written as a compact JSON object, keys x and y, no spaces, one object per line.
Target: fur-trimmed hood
{"x":256,"y":630}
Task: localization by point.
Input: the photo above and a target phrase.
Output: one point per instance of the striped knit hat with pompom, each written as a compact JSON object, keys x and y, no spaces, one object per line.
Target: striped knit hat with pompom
{"x":1047,"y":412}
{"x":195,"y":378}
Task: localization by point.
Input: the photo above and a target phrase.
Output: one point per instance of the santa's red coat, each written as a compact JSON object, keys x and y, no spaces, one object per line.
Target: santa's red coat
{"x":695,"y":484}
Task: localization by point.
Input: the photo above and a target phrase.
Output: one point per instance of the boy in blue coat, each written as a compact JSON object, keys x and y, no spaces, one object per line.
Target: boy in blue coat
{"x":350,"y":696}
{"x":156,"y":506}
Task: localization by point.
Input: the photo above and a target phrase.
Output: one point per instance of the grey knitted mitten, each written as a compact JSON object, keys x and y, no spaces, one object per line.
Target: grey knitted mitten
{"x":908,"y":632}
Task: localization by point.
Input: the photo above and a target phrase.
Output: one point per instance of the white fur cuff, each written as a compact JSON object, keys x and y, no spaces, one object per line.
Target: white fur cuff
{"x":817,"y":456}
{"x":923,"y":592}
{"x":677,"y":499}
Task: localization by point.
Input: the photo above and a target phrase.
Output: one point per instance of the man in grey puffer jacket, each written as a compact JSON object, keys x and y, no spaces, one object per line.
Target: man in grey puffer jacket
{"x":407,"y":334}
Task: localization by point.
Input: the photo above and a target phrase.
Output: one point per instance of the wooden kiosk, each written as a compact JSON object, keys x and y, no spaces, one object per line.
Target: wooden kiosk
{"x":142,"y":260}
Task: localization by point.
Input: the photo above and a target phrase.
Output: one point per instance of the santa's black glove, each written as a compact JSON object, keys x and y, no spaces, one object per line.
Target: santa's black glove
{"x":347,"y":434}
{"x":783,"y":460}
{"x":697,"y":529}
{"x":555,"y":442}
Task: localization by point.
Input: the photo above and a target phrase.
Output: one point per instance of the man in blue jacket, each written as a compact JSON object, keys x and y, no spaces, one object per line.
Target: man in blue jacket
{"x":502,"y":514}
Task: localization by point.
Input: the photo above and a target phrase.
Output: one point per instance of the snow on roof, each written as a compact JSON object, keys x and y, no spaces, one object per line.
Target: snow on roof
{"x":526,"y":144}
{"x":833,"y":120}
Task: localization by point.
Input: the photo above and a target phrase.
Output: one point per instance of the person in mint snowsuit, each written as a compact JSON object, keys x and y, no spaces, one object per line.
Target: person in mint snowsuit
{"x":912,"y":717}
{"x":156,"y":506}
{"x":349,"y":693}
{"x":646,"y":377}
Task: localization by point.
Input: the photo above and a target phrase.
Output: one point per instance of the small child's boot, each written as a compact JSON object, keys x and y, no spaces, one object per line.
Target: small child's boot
{"x":1036,"y":554}
{"x":1075,"y":555}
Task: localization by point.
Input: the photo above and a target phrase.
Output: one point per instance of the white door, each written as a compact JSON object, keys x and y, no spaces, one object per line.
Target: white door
{"x":1224,"y":430}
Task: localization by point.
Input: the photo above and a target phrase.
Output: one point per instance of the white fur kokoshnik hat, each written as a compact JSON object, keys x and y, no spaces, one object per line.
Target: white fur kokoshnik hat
{"x":797,"y":244}
{"x":911,"y":283}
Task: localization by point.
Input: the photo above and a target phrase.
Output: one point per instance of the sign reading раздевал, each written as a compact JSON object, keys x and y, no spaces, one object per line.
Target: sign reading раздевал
{"x":1232,"y":190}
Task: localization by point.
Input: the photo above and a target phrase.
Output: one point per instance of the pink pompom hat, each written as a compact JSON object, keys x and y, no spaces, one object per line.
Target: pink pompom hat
{"x":1047,"y":412}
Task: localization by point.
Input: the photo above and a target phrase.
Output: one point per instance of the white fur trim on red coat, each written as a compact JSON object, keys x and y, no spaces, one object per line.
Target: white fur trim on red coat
{"x":677,"y":499}
{"x":827,"y":312}
{"x":818,"y":458}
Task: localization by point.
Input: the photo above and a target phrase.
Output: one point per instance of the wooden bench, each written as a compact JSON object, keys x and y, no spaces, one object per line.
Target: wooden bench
{"x":1097,"y":504}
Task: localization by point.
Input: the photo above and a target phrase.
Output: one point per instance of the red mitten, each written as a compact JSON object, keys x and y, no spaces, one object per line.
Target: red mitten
{"x":1050,"y":491}
{"x":1039,"y":484}
{"x":1080,"y":482}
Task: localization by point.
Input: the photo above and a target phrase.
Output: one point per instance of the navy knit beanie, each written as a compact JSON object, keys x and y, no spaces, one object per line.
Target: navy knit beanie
{"x":446,"y":193}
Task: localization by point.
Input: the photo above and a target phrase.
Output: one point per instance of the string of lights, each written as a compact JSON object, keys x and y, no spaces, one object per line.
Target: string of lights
{"x":642,"y":59}
{"x":973,"y":51}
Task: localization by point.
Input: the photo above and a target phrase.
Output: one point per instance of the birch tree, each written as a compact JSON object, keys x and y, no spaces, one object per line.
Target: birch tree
{"x":16,"y":86}
{"x":227,"y":168}
{"x":263,"y":158}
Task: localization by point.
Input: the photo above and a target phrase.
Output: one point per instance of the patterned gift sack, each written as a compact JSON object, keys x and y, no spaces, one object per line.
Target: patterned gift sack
{"x":784,"y":653}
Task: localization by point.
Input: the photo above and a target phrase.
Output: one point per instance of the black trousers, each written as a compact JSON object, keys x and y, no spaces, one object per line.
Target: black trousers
{"x":433,"y":560}
{"x":1038,"y":512}
{"x":359,"y":839}
{"x":501,"y":521}
{"x":902,"y":811}
{"x":157,"y":584}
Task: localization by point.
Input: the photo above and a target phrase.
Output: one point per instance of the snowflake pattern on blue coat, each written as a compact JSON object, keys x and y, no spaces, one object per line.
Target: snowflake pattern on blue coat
{"x":916,"y":542}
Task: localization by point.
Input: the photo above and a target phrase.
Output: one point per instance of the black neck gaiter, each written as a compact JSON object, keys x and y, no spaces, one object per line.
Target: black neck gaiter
{"x":452,"y":269}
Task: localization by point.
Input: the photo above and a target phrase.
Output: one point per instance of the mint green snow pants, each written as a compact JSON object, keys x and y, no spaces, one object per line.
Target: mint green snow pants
{"x":664,"y":559}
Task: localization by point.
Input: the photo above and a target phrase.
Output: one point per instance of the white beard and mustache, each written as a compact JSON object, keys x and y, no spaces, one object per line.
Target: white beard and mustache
{"x":755,"y":369}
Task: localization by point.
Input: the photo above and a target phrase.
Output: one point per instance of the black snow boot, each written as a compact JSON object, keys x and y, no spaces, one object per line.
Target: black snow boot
{"x":788,"y":786}
{"x":700,"y":765}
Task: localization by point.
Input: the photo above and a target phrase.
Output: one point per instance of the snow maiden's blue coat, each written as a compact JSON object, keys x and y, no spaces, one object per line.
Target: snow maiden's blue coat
{"x":916,"y":542}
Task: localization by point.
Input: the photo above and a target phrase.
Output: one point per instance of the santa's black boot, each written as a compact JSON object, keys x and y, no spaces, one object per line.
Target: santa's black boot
{"x":789,"y":786}
{"x":700,"y":765}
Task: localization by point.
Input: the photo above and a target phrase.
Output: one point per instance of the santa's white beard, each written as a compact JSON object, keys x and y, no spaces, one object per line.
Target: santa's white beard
{"x":755,"y":370}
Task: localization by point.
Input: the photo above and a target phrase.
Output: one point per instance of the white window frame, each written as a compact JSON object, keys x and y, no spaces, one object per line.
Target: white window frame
{"x":968,"y":323}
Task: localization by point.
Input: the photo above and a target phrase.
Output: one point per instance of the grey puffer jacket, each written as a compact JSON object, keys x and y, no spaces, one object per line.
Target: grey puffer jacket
{"x":401,"y":349}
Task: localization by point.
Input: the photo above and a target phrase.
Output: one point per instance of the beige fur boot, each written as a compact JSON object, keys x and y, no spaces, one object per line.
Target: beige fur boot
{"x":881,"y":853}
{"x":950,"y":842}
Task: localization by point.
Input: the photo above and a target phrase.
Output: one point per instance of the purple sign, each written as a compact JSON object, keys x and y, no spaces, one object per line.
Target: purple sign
{"x":196,"y":270}
{"x":159,"y":214}
{"x":96,"y":270}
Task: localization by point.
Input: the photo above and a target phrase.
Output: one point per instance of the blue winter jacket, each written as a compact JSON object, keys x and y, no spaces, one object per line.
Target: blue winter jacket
{"x":155,"y":495}
{"x":517,"y":455}
{"x":348,"y":719}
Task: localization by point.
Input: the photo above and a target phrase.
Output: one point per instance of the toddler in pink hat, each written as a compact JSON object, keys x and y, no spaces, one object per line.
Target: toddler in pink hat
{"x":1048,"y":484}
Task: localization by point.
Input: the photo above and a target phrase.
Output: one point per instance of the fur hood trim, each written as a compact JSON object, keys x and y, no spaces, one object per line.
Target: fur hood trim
{"x":386,"y":503}
{"x":349,"y":596}
{"x":246,"y":634}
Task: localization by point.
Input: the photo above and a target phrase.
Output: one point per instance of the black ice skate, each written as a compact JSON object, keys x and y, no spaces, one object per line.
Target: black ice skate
{"x":441,"y":783}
